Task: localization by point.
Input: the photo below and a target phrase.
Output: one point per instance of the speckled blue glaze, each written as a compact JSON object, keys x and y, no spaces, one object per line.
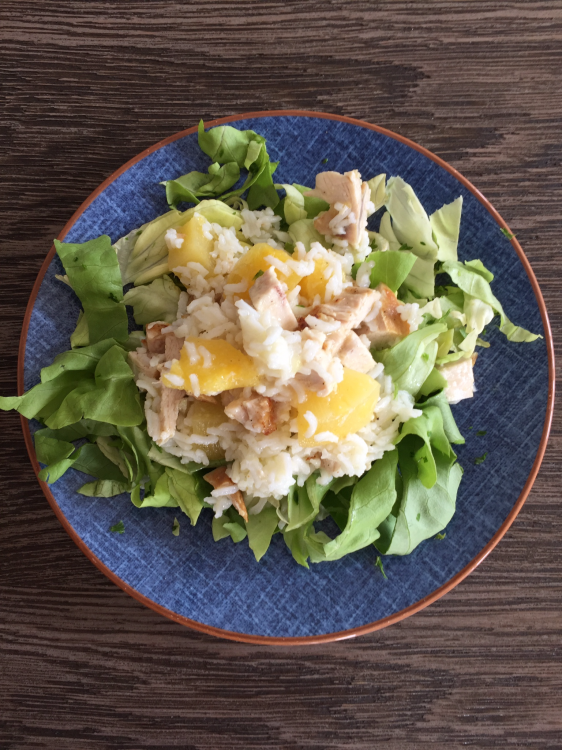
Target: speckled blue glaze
{"x":220,"y":584}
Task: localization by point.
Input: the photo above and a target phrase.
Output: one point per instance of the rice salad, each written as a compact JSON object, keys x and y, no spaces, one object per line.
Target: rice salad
{"x":293,"y":366}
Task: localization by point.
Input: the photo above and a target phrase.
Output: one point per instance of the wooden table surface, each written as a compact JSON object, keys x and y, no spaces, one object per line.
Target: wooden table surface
{"x":85,"y":87}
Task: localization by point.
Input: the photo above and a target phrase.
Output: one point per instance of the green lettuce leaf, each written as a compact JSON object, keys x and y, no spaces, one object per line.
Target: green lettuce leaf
{"x":155,"y":301}
{"x":429,"y":429}
{"x":378,"y":190}
{"x":104,"y":488}
{"x":85,"y":360}
{"x":260,"y":529}
{"x":305,"y":232}
{"x":410,"y":222}
{"x":93,"y":272}
{"x":419,"y":513}
{"x":446,"y":224}
{"x":81,"y":335}
{"x":410,"y":361}
{"x":390,"y":267}
{"x":371,"y":501}
{"x":111,"y":396}
{"x":471,"y":280}
{"x":190,"y":187}
{"x":229,"y":524}
{"x":439,"y":400}
{"x":226,"y":144}
{"x":186,"y":491}
{"x":56,"y":454}
{"x":304,"y":502}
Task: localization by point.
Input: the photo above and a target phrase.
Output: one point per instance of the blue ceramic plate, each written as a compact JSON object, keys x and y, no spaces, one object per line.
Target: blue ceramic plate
{"x":218,"y":587}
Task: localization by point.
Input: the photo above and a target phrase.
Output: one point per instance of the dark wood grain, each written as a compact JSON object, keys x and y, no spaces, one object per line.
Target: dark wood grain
{"x":86,"y":86}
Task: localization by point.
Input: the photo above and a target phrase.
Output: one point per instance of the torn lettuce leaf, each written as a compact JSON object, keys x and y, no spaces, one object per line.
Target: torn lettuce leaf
{"x":410,"y":222}
{"x":410,"y":361}
{"x":377,"y":186}
{"x":93,"y":272}
{"x":191,"y":187}
{"x":446,"y":224}
{"x":81,"y":335}
{"x":371,"y":501}
{"x":391,"y":268}
{"x":471,"y":279}
{"x":155,"y":301}
{"x":304,"y":231}
{"x":260,"y":529}
{"x":420,"y":513}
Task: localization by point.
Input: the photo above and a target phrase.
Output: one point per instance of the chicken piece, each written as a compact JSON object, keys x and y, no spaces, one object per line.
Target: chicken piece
{"x":256,"y":413}
{"x":346,"y":189}
{"x":350,"y":308}
{"x":267,"y":294}
{"x":172,"y":346}
{"x":155,"y":339}
{"x":218,"y":478}
{"x":140,"y":362}
{"x":169,"y":411}
{"x":460,"y":379}
{"x":350,"y":349}
{"x":354,"y":354}
{"x":228,"y":396}
{"x":388,"y":327}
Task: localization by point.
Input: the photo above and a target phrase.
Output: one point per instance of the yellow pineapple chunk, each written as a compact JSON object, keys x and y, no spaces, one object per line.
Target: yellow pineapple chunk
{"x":202,"y":416}
{"x":316,"y":282}
{"x":254,"y":261}
{"x":226,"y":368}
{"x":196,"y":248}
{"x":348,"y":408}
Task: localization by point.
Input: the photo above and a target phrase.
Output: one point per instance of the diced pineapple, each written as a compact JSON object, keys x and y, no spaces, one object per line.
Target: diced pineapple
{"x":348,"y":408}
{"x":254,"y":261}
{"x":226,"y":368}
{"x":196,"y":248}
{"x":202,"y":416}
{"x":316,"y":282}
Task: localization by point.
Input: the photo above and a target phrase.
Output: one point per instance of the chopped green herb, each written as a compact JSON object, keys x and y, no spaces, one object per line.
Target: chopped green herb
{"x":258,"y":274}
{"x":440,"y":536}
{"x":425,"y":356}
{"x":418,"y":517}
{"x":176,"y":527}
{"x":480,"y":433}
{"x":405,"y":247}
{"x":471,"y":427}
{"x":380,"y":566}
{"x":480,"y":459}
{"x":507,"y":233}
{"x":422,"y":243}
{"x":119,"y":528}
{"x":325,"y":161}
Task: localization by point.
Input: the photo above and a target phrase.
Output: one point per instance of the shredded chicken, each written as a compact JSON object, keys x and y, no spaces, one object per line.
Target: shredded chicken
{"x":346,"y":189}
{"x":388,"y":327}
{"x":350,"y":308}
{"x":256,"y":413}
{"x":140,"y":362}
{"x":173,"y":346}
{"x":354,"y":354}
{"x":350,"y":349}
{"x":218,"y":478}
{"x":155,"y":339}
{"x":169,"y":410}
{"x":460,"y":379}
{"x":267,"y":294}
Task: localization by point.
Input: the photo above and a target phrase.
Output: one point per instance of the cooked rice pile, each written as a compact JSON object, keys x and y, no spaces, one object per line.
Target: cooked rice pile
{"x":294,"y":347}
